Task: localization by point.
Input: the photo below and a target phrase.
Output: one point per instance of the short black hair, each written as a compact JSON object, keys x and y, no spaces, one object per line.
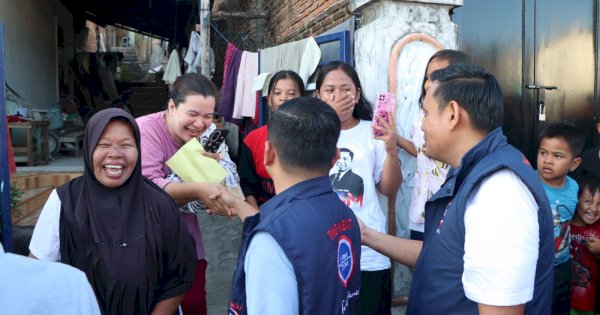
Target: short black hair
{"x":304,"y":132}
{"x":363,"y":109}
{"x":568,"y":132}
{"x":475,"y":90}
{"x":590,"y":182}
{"x":191,"y":84}
{"x":347,"y":151}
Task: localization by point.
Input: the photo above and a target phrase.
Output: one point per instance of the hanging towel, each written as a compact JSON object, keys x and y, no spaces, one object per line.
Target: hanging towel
{"x":229,"y":84}
{"x":192,"y":56}
{"x":301,"y":56}
{"x":172,"y":69}
{"x":244,"y":104}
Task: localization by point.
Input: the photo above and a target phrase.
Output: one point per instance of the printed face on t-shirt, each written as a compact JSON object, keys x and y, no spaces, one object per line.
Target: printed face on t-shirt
{"x":344,"y":163}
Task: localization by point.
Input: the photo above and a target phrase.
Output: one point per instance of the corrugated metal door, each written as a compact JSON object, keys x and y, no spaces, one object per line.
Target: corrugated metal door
{"x":544,"y":54}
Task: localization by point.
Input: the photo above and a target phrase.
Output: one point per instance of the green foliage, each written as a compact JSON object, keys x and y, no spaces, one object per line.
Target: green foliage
{"x":15,"y":196}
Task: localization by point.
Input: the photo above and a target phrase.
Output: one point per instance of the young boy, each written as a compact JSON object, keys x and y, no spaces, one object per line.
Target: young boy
{"x":302,"y":252}
{"x":558,"y":154}
{"x":584,"y":228}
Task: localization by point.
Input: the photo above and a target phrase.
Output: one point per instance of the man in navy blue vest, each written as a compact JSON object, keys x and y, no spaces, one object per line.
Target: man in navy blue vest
{"x":301,"y":254}
{"x":488,"y":245}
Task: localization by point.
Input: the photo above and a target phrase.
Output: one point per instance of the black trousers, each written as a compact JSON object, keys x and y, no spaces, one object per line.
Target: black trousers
{"x":376,"y":292}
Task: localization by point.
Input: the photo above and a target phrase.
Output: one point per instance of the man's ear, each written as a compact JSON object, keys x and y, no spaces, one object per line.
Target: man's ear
{"x":453,"y":114}
{"x":575,"y":163}
{"x":270,"y":154}
{"x":335,"y":157}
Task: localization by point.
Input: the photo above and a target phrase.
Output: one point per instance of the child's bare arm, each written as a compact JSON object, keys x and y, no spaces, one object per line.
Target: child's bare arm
{"x":593,"y":245}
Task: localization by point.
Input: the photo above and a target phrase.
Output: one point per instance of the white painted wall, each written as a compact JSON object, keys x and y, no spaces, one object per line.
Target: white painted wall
{"x":382,"y":24}
{"x":30,"y":48}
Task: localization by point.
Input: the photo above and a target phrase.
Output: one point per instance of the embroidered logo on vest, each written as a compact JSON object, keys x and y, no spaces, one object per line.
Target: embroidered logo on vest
{"x":345,"y":259}
{"x":234,"y":309}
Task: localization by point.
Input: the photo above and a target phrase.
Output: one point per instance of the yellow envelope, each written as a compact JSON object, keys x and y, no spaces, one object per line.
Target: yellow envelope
{"x":191,"y":166}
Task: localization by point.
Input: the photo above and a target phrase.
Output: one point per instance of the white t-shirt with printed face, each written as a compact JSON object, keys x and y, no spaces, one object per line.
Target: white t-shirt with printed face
{"x":354,"y":177}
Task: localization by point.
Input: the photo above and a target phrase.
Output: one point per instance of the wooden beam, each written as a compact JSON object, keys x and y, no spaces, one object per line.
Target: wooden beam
{"x":204,"y":37}
{"x":223,"y":15}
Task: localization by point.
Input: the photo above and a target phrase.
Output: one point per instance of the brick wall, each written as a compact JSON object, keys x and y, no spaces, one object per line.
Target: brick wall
{"x":295,"y":19}
{"x":290,"y":20}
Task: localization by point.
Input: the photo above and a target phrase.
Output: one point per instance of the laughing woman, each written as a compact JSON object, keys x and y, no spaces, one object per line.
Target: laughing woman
{"x":119,"y":228}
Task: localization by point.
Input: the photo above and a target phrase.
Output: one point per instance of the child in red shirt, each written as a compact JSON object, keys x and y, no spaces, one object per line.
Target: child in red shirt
{"x":585,"y":234}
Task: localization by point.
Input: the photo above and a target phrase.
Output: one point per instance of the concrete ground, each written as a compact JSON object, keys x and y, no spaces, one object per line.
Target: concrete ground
{"x":222,"y":238}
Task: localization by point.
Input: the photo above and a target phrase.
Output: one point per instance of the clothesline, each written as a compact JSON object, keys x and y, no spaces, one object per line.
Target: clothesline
{"x":219,"y":33}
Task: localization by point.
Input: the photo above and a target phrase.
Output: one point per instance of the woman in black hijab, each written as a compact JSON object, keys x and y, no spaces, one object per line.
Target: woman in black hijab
{"x":119,"y":228}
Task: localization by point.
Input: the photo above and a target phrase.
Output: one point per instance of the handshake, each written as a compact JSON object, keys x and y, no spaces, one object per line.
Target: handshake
{"x":222,"y":202}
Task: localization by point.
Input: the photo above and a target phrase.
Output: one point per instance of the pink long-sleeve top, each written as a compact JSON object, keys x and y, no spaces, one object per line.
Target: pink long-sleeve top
{"x":157,"y":147}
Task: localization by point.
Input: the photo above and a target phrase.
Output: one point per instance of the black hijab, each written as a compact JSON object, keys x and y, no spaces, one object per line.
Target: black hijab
{"x":128,"y":240}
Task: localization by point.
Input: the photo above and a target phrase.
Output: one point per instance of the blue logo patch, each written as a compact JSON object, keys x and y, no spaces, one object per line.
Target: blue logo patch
{"x":345,"y":259}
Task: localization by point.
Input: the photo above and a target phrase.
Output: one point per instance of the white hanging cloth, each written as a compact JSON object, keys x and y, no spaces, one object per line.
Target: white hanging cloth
{"x":192,"y":57}
{"x":172,"y":69}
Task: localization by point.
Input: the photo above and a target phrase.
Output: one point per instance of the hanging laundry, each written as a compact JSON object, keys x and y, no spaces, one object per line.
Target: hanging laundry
{"x":227,"y":60}
{"x":172,"y":69}
{"x":229,"y":85}
{"x":192,"y":57}
{"x":301,"y":56}
{"x":244,"y":104}
{"x":12,"y":167}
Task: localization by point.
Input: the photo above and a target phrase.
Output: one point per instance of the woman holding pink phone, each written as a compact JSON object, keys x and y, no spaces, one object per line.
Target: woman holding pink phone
{"x":366,"y":165}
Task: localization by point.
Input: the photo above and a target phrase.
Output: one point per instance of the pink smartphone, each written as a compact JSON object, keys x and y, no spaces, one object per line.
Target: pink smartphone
{"x":383,"y":108}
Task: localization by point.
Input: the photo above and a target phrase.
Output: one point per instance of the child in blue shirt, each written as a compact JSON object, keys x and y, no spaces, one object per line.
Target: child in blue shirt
{"x":559,"y":153}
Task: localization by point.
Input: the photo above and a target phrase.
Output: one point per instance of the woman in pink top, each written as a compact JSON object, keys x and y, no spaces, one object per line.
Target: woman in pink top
{"x":189,"y":113}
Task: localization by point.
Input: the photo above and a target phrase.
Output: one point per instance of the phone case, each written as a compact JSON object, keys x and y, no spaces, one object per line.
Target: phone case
{"x":383,"y":108}
{"x":215,"y":140}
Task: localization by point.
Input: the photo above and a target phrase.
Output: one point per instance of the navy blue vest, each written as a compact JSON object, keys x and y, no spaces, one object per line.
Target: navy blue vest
{"x":321,"y":238}
{"x":437,"y":286}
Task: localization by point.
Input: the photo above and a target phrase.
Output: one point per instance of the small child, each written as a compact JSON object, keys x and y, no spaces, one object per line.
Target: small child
{"x":585,"y":230}
{"x":560,"y":147}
